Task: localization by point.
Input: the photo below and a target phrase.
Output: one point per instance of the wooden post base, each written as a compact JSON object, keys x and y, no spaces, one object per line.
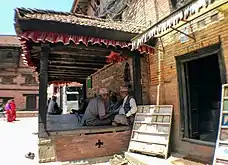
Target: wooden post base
{"x":46,"y":150}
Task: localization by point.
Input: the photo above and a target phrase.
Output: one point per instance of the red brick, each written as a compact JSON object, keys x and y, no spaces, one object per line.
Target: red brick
{"x":70,"y":147}
{"x":116,"y":74}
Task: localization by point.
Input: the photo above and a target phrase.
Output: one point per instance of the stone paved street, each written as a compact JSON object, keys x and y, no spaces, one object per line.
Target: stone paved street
{"x":17,"y":139}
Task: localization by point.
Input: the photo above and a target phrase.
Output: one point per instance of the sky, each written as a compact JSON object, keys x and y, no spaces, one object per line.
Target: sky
{"x":7,"y":10}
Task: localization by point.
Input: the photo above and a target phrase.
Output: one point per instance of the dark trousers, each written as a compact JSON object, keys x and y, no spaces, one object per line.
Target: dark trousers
{"x":99,"y":122}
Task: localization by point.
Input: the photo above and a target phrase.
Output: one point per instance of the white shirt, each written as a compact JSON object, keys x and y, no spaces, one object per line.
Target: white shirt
{"x":132,"y":105}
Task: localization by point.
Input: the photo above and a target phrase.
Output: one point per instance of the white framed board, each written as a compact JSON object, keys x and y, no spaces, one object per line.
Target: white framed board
{"x":151,"y":130}
{"x":221,"y":150}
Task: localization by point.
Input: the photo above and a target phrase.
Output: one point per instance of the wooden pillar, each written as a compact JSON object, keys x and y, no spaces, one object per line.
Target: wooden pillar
{"x":61,"y":97}
{"x":137,"y":77}
{"x":90,"y":10}
{"x":84,"y":90}
{"x":43,"y":90}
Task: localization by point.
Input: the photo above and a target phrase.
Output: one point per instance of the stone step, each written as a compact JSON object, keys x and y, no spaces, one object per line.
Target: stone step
{"x":92,"y":161}
{"x":140,"y":159}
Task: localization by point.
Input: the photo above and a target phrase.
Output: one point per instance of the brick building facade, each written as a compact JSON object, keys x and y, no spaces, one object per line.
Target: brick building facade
{"x":171,"y":68}
{"x":16,"y":79}
{"x":161,"y":78}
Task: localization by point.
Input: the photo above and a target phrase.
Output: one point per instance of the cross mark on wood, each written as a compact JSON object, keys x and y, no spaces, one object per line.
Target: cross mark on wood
{"x":99,"y":144}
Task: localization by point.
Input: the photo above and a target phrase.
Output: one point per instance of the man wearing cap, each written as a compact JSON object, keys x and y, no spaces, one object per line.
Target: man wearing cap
{"x":96,"y":111}
{"x":127,"y":110}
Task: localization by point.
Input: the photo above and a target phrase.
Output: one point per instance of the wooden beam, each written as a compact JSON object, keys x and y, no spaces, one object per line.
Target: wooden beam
{"x":67,"y":72}
{"x":70,"y":70}
{"x":81,"y":10}
{"x":80,"y":53}
{"x":72,"y":67}
{"x":92,"y":48}
{"x":67,"y":76}
{"x":66,"y":80}
{"x":77,"y":58}
{"x":93,"y":7}
{"x":60,"y":77}
{"x":76,"y":63}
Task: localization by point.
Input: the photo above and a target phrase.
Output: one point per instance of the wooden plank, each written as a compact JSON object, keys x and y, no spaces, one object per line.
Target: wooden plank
{"x":79,"y":59}
{"x":89,"y":71}
{"x":151,"y":130}
{"x":62,"y":79}
{"x":76,"y":63}
{"x":53,"y":72}
{"x":72,"y":67}
{"x":81,"y":53}
{"x":67,"y":76}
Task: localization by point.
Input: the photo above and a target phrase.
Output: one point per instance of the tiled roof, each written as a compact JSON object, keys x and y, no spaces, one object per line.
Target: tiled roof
{"x":9,"y":40}
{"x":77,"y":19}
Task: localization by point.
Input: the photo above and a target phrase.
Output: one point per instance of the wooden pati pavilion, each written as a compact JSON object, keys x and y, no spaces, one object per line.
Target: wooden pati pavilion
{"x":65,"y":47}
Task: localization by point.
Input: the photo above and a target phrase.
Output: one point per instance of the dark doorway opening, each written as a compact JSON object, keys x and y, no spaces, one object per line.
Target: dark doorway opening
{"x":200,"y":77}
{"x":31,"y":104}
{"x":203,"y":84}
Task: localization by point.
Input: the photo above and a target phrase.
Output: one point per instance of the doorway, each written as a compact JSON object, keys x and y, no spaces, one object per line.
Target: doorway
{"x":31,"y":102}
{"x":200,"y":79}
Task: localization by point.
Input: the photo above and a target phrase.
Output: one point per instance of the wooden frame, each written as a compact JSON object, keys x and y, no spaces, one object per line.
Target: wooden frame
{"x":162,"y":140}
{"x":220,"y":155}
{"x":180,"y":60}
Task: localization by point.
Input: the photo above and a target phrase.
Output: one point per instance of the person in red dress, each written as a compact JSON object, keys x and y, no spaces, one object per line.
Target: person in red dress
{"x":13,"y":109}
{"x":8,"y":111}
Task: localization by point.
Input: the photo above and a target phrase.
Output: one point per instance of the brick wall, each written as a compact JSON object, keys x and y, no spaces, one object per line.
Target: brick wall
{"x":208,"y":34}
{"x":17,"y":88}
{"x":112,"y":77}
{"x":147,"y":12}
{"x":145,"y":79}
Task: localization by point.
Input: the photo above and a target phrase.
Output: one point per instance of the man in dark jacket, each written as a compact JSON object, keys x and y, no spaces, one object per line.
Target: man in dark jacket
{"x":127,"y":110}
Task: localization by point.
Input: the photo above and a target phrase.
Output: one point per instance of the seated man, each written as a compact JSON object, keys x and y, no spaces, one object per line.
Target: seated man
{"x":53,"y":108}
{"x":96,"y":111}
{"x":127,"y":110}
